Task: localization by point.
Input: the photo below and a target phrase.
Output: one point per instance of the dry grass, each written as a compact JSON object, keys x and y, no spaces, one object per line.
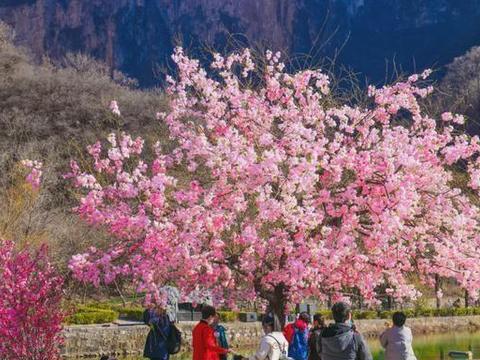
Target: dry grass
{"x":51,"y":112}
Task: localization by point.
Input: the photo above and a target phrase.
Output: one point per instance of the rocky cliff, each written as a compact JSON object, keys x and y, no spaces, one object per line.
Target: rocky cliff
{"x":137,"y":36}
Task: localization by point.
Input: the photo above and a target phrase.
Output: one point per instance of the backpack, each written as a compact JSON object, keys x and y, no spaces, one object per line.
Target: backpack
{"x":174,"y":340}
{"x":298,"y":348}
{"x":283,"y":351}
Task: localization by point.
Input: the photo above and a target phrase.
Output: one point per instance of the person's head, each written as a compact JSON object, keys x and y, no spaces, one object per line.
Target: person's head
{"x":304,"y":316}
{"x":318,"y":320}
{"x":155,"y":308}
{"x":209,"y":314}
{"x":216,"y":320}
{"x":268,"y":323}
{"x":341,"y":312}
{"x":399,"y":318}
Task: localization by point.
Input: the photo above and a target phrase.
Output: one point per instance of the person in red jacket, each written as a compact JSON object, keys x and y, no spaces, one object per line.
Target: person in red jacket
{"x":297,"y":335}
{"x":203,"y":337}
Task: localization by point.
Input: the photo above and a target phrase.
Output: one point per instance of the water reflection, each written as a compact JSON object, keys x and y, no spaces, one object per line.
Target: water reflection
{"x":436,"y":347}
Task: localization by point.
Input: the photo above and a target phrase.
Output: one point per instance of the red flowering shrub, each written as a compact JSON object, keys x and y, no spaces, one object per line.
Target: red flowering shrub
{"x":30,"y":313}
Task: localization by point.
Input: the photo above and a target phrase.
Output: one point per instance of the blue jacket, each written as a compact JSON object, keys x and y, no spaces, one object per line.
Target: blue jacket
{"x":221,"y":336}
{"x":156,"y":344}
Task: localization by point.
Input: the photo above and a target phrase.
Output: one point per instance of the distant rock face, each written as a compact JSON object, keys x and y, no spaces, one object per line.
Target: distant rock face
{"x":137,"y":36}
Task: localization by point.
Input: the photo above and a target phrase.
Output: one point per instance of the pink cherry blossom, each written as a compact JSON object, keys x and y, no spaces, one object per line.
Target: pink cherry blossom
{"x":273,"y":193}
{"x":114,"y":108}
{"x":34,"y":176}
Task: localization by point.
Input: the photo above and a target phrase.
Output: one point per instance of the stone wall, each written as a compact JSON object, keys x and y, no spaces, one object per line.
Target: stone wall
{"x":93,"y":340}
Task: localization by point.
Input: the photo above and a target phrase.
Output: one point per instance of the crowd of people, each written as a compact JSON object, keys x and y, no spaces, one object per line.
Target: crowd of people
{"x":299,"y":340}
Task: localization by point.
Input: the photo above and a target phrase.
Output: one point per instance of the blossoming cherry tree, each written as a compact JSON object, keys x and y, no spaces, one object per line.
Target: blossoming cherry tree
{"x":270,"y":191}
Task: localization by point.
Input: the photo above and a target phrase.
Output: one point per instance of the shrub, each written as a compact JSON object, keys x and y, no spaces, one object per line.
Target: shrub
{"x":444,"y":312}
{"x":30,"y":299}
{"x":458,"y":311}
{"x":424,"y":312}
{"x":127,"y":312}
{"x":410,"y":313}
{"x":131,"y":313}
{"x":476,"y":311}
{"x":227,"y":316}
{"x":327,"y":314}
{"x":385,"y":314}
{"x":90,"y":315}
{"x":366,"y":314}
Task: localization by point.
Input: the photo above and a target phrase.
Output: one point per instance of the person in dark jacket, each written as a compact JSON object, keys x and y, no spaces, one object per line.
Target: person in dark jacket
{"x":341,"y":341}
{"x":160,"y":327}
{"x":315,"y":339}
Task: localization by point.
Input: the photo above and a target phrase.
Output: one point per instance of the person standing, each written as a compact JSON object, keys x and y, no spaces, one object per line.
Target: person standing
{"x":397,"y":339}
{"x":296,"y":334}
{"x":273,"y":345}
{"x":160,"y":327}
{"x":341,"y":341}
{"x":314,"y":341}
{"x":220,"y":335}
{"x":203,"y":338}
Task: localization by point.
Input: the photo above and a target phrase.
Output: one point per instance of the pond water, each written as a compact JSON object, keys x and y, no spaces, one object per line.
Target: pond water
{"x":426,"y":347}
{"x":436,"y":347}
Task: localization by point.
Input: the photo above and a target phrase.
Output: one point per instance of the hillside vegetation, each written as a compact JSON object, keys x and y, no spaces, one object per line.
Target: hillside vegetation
{"x":51,"y":112}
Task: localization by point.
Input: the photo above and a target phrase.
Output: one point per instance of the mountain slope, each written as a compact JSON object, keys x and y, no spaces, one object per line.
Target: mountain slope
{"x":137,"y":36}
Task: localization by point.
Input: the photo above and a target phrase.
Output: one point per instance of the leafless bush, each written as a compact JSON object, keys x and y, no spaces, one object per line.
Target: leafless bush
{"x":460,"y":87}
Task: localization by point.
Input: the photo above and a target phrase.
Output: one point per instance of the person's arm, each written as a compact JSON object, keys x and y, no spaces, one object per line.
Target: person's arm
{"x":288,"y":332}
{"x":211,"y":343}
{"x":262,"y":352}
{"x":311,"y":342}
{"x":409,"y":335}
{"x":165,"y":326}
{"x":223,"y":337}
{"x":363,"y":352}
{"x":146,"y":317}
{"x":315,"y":343}
{"x":318,"y":344}
{"x":384,"y":339}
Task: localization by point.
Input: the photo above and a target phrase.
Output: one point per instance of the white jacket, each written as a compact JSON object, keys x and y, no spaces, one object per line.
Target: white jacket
{"x":269,"y":347}
{"x":397,"y":342}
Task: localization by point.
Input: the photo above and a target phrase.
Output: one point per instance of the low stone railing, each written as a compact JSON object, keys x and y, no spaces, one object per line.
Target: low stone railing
{"x":94,"y":340}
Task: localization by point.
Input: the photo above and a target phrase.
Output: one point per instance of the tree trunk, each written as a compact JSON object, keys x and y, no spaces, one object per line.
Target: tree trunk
{"x":278,"y":312}
{"x":389,"y":302}
{"x":467,"y":297}
{"x":277,"y":305}
{"x":437,"y":289}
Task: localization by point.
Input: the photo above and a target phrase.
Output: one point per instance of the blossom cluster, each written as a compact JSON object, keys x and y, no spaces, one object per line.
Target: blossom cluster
{"x":34,"y":176}
{"x":30,"y":299}
{"x":273,"y":192}
{"x":114,"y":108}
